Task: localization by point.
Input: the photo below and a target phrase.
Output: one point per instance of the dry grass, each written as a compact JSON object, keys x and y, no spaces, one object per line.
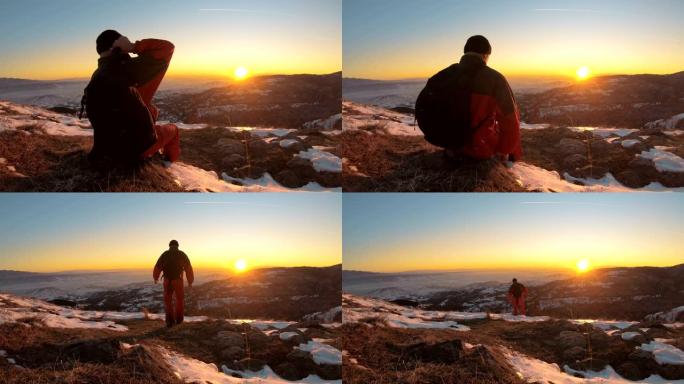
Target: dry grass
{"x":390,"y":163}
{"x":59,"y":164}
{"x":381,"y":358}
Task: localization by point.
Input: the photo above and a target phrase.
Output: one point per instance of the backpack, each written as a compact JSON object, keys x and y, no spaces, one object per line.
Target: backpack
{"x":516,"y":289}
{"x":123,"y":127}
{"x":443,"y":107}
{"x":173,"y":264}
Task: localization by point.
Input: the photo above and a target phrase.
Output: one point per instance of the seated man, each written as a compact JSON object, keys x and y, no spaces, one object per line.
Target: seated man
{"x":469,"y":109}
{"x":118,"y":101}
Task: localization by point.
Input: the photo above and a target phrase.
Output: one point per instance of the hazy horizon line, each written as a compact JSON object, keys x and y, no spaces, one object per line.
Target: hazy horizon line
{"x":146,"y":269}
{"x":502,"y":269}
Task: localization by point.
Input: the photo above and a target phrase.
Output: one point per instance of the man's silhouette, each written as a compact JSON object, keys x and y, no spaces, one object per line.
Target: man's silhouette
{"x":173,"y":263}
{"x":118,"y":101}
{"x":517,"y":294}
{"x":469,"y":109}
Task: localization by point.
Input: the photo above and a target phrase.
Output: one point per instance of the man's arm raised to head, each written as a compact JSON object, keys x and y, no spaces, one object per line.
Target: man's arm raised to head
{"x":156,"y":48}
{"x":189,"y":273}
{"x":148,"y":69}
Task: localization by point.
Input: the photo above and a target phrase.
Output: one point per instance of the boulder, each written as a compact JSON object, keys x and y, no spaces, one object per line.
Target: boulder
{"x":443,"y":352}
{"x":631,"y":371}
{"x":258,"y":340}
{"x":226,"y":339}
{"x":230,"y":146}
{"x":232,"y":353}
{"x":569,"y":339}
{"x":567,"y":146}
{"x":289,"y":179}
{"x":574,"y":353}
{"x":250,"y":364}
{"x":289,"y":371}
{"x":574,"y":161}
{"x":233,"y":161}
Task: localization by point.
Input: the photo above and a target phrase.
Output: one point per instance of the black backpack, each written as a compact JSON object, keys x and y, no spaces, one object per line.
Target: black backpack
{"x":173,"y":264}
{"x":517,"y":289}
{"x":443,"y":107}
{"x":123,"y":126}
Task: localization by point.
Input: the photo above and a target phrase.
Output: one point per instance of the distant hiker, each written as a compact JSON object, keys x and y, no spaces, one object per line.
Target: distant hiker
{"x":118,"y":102}
{"x":469,"y":109}
{"x":173,"y":262}
{"x":517,"y":294}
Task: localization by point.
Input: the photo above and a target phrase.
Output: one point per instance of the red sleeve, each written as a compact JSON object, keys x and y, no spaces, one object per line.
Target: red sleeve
{"x":158,"y":49}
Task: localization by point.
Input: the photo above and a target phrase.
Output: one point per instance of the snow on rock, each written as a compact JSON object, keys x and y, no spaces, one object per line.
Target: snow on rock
{"x":397,"y":316}
{"x":267,"y":183}
{"x":663,"y":160}
{"x":629,"y":143}
{"x":605,"y":132}
{"x":629,"y":335}
{"x":676,"y":132}
{"x":359,"y":116}
{"x":322,"y":161}
{"x":287,"y":335}
{"x":325,"y":124}
{"x":536,"y":178}
{"x":266,"y":376}
{"x":262,"y":325}
{"x":518,"y":318}
{"x":537,"y":371}
{"x":605,"y":325}
{"x":56,"y":321}
{"x":670,"y":316}
{"x":524,"y":125}
{"x":322,"y":353}
{"x":287,"y":143}
{"x":192,"y":178}
{"x":49,"y":122}
{"x":263,"y":132}
{"x":670,"y":124}
{"x":664,"y":354}
{"x":184,"y":125}
{"x":324,"y":317}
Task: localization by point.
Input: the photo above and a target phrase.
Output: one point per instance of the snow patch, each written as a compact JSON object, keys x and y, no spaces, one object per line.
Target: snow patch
{"x":664,"y":354}
{"x":664,"y":161}
{"x":322,"y":353}
{"x":322,"y":161}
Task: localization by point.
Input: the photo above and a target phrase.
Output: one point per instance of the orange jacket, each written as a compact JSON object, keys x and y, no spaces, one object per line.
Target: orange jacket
{"x":160,"y":51}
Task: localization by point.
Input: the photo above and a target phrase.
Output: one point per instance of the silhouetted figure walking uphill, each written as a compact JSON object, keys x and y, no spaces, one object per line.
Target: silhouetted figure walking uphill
{"x":173,"y":263}
{"x":469,"y":109}
{"x":118,"y":101}
{"x":517,"y":294}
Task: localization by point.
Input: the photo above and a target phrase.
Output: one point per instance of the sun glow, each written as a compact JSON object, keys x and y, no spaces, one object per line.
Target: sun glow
{"x":583,"y":73}
{"x":583,"y":266}
{"x":240,"y":265}
{"x":241,"y":73}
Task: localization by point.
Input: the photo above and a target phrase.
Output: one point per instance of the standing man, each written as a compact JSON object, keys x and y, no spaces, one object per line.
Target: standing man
{"x":173,"y":263}
{"x":517,"y":294}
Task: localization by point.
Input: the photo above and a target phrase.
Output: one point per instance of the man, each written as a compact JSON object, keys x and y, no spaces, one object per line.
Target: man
{"x":118,"y":101}
{"x":173,"y":263}
{"x":517,"y":294}
{"x":469,"y":108}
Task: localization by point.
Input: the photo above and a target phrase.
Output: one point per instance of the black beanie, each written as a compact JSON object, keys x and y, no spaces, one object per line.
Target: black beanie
{"x":106,"y":40}
{"x":173,"y":243}
{"x":478,"y":44}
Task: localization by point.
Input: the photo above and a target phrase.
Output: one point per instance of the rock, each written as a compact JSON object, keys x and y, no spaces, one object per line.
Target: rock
{"x":329,"y":372}
{"x":294,"y":146}
{"x":599,"y":339}
{"x":289,"y":371}
{"x":567,"y":146}
{"x":289,"y":179}
{"x":671,"y":372}
{"x":631,"y":371}
{"x":93,"y":351}
{"x":230,"y":146}
{"x":574,"y":161}
{"x":232,"y":353}
{"x":640,"y":354}
{"x":250,"y":364}
{"x":258,"y":340}
{"x":259,"y":148}
{"x":602,"y":149}
{"x":569,"y":339}
{"x":226,"y":339}
{"x":574,"y":353}
{"x":637,"y":340}
{"x":299,"y":357}
{"x":233,"y":161}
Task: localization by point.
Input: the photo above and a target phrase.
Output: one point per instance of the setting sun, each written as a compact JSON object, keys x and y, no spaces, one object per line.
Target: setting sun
{"x":241,"y":73}
{"x":240,"y":265}
{"x":582,"y":265}
{"x":583,"y":73}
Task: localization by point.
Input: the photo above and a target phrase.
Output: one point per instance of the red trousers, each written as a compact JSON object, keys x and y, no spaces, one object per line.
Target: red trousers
{"x":518,"y":305}
{"x":168,"y":141}
{"x":174,"y":313}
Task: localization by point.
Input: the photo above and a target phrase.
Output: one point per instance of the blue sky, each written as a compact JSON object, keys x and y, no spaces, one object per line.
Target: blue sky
{"x":56,"y":39}
{"x":54,"y":232}
{"x":399,"y":232}
{"x":403,"y":38}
